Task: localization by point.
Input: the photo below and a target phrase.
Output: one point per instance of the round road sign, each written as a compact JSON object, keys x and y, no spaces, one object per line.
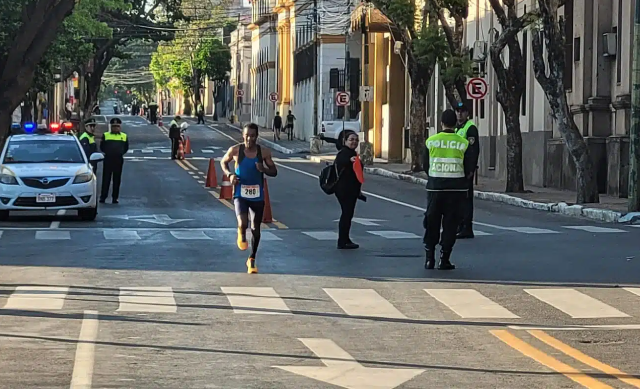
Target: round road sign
{"x":477,"y":88}
{"x":342,"y":99}
{"x":273,"y":97}
{"x":239,"y":93}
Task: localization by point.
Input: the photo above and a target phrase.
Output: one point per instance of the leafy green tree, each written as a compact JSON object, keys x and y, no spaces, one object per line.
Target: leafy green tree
{"x":213,"y":59}
{"x":27,"y":29}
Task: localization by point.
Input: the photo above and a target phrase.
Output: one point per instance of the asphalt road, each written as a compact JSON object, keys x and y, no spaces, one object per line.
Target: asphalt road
{"x":537,"y":300}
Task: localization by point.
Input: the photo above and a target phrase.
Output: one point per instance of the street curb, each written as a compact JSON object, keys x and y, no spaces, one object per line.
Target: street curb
{"x":273,"y":145}
{"x":603,"y":215}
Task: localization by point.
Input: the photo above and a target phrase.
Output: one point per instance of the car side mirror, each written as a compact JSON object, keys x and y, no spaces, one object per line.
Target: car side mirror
{"x":95,"y":157}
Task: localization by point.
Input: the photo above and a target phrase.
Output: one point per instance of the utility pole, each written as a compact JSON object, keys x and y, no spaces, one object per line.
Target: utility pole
{"x":315,"y":67}
{"x":366,"y":152}
{"x":634,"y":132}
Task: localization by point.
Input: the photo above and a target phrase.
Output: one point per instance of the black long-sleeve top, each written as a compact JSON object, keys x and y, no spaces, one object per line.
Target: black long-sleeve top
{"x":348,"y":183}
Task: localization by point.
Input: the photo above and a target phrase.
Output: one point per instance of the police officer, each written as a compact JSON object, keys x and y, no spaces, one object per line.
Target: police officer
{"x":467,"y":129}
{"x":447,"y":166}
{"x":114,"y":145}
{"x":88,"y":141}
{"x":174,"y":135}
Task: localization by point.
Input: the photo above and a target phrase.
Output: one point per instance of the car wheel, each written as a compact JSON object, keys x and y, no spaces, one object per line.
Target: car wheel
{"x":4,"y":215}
{"x":88,"y":214}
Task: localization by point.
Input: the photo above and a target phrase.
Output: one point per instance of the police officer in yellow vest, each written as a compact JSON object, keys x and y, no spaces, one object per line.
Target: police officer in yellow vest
{"x":114,"y":145}
{"x":174,"y":135}
{"x":446,"y":164}
{"x":467,"y":129}
{"x":88,"y":141}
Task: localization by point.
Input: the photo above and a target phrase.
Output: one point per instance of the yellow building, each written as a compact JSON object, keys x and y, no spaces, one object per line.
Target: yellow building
{"x":386,"y":114}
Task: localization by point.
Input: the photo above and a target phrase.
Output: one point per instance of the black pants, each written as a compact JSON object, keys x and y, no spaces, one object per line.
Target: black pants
{"x":466,"y":222}
{"x":347,"y":202}
{"x":201,"y":118}
{"x":444,"y":209}
{"x":250,"y":212}
{"x":94,"y":166}
{"x":175,"y":145}
{"x":112,"y":167}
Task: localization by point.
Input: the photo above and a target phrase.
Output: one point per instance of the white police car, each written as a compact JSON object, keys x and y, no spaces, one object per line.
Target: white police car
{"x":44,"y":170}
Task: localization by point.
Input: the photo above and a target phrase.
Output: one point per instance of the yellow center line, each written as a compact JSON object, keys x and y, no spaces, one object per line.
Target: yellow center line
{"x":181,"y":164}
{"x":587,"y":360}
{"x":548,"y":361}
{"x":190,"y":165}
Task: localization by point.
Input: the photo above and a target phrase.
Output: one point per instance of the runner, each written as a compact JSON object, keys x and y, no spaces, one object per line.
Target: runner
{"x":248,"y":183}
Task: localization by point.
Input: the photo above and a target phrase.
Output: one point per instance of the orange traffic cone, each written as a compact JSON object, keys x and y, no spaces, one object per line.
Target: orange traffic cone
{"x":160,"y":121}
{"x":180,"y":150}
{"x":226,"y":190}
{"x":187,"y":146}
{"x":267,"y":217}
{"x":212,"y":179}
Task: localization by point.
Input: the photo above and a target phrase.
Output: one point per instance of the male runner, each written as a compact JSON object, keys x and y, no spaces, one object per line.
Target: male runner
{"x":248,"y":182}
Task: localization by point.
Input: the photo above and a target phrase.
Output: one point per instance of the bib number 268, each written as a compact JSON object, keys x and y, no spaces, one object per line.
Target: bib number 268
{"x":250,"y":191}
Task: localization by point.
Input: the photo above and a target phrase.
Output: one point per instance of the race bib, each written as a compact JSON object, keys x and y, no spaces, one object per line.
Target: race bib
{"x":250,"y":191}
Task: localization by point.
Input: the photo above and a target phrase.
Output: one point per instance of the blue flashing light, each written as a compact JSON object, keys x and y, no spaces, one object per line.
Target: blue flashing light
{"x":29,"y":127}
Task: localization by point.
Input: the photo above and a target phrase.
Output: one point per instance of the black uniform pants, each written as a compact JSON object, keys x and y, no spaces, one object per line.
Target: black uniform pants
{"x":175,"y":145}
{"x":347,"y":202}
{"x":466,"y":222}
{"x":94,"y":166}
{"x":112,"y":168}
{"x":444,"y":209}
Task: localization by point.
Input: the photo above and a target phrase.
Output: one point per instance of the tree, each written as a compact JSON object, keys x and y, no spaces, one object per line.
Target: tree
{"x":511,"y":84}
{"x":27,"y":30}
{"x":552,"y":28}
{"x":424,"y":44}
{"x":213,"y":59}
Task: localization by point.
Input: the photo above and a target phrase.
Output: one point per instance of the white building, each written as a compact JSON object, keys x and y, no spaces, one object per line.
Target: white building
{"x":240,"y":75}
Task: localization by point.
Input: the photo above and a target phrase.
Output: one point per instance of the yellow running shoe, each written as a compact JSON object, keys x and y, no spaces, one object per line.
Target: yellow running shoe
{"x":242,"y":242}
{"x":251,"y":266}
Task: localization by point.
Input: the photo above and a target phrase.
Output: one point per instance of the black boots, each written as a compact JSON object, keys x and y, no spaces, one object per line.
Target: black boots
{"x":430,"y":262}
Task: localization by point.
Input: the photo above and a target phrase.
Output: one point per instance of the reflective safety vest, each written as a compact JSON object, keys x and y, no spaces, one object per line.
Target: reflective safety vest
{"x":121,"y":137}
{"x":446,"y":155}
{"x":92,"y":139}
{"x":463,"y":131}
{"x":174,"y":123}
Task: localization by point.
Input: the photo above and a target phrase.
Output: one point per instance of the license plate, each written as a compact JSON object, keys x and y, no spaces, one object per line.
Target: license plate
{"x":46,"y":198}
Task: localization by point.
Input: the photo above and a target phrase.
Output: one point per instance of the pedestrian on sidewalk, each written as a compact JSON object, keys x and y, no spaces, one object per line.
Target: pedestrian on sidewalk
{"x":467,"y":129}
{"x":290,"y":119}
{"x":447,"y":166}
{"x":348,"y":188}
{"x":277,"y":125}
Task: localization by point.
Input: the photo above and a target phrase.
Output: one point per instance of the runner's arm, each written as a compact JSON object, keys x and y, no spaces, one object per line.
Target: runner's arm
{"x":228,"y":157}
{"x":271,"y":169}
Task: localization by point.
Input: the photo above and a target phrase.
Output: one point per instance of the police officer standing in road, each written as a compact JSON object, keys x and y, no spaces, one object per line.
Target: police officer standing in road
{"x":447,"y":165}
{"x":467,"y":129}
{"x":114,"y":145}
{"x":174,"y":135}
{"x":88,"y":141}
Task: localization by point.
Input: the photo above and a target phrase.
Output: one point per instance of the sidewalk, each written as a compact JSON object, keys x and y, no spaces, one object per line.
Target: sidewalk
{"x":610,"y":209}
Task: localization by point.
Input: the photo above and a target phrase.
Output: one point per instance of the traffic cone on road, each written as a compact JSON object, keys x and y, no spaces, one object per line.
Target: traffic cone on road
{"x":180,"y":151}
{"x":212,"y":179}
{"x":267,"y":217}
{"x":160,"y":121}
{"x":187,"y":146}
{"x":226,"y":191}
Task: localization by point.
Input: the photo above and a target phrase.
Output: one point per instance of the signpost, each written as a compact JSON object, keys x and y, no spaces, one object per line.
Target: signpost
{"x":342,"y":99}
{"x":273,"y":97}
{"x":239,"y":93}
{"x":477,"y":88}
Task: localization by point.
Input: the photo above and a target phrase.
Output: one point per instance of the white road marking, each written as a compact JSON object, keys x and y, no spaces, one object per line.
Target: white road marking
{"x":635,"y":291}
{"x":524,"y":230}
{"x":322,"y":235}
{"x":121,"y":235}
{"x":575,"y":304}
{"x":147,"y":299}
{"x":55,"y":223}
{"x":264,"y":235}
{"x":481,"y":233}
{"x":37,"y":298}
{"x":363,"y":302}
{"x":394,"y":234}
{"x":610,"y":327}
{"x":594,"y":229}
{"x":190,"y":235}
{"x":470,"y":304}
{"x":208,"y":151}
{"x":1,"y":232}
{"x":263,"y":301}
{"x":83,"y":365}
{"x":53,"y":235}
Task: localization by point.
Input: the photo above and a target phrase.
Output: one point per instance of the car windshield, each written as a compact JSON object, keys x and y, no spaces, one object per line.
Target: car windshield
{"x":43,"y":151}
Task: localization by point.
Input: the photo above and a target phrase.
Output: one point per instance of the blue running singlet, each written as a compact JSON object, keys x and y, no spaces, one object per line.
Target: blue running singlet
{"x":250,"y":186}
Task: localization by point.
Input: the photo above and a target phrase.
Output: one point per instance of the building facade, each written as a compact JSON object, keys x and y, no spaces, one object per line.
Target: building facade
{"x":240,"y":75}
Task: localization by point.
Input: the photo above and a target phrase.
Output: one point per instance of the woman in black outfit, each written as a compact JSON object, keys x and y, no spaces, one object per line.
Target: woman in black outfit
{"x":348,"y":188}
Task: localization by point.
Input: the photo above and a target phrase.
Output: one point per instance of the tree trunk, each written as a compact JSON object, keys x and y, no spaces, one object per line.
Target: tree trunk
{"x":40,"y":22}
{"x":93,"y":81}
{"x":515,"y":179}
{"x":553,"y":86}
{"x":418,"y":128}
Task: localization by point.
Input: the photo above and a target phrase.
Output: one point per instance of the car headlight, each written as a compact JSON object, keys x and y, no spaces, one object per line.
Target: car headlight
{"x":82,"y":178}
{"x":8,"y":179}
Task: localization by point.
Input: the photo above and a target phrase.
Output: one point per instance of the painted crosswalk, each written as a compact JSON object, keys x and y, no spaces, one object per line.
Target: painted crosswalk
{"x":414,"y":303}
{"x":167,"y":150}
{"x":205,"y":234}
